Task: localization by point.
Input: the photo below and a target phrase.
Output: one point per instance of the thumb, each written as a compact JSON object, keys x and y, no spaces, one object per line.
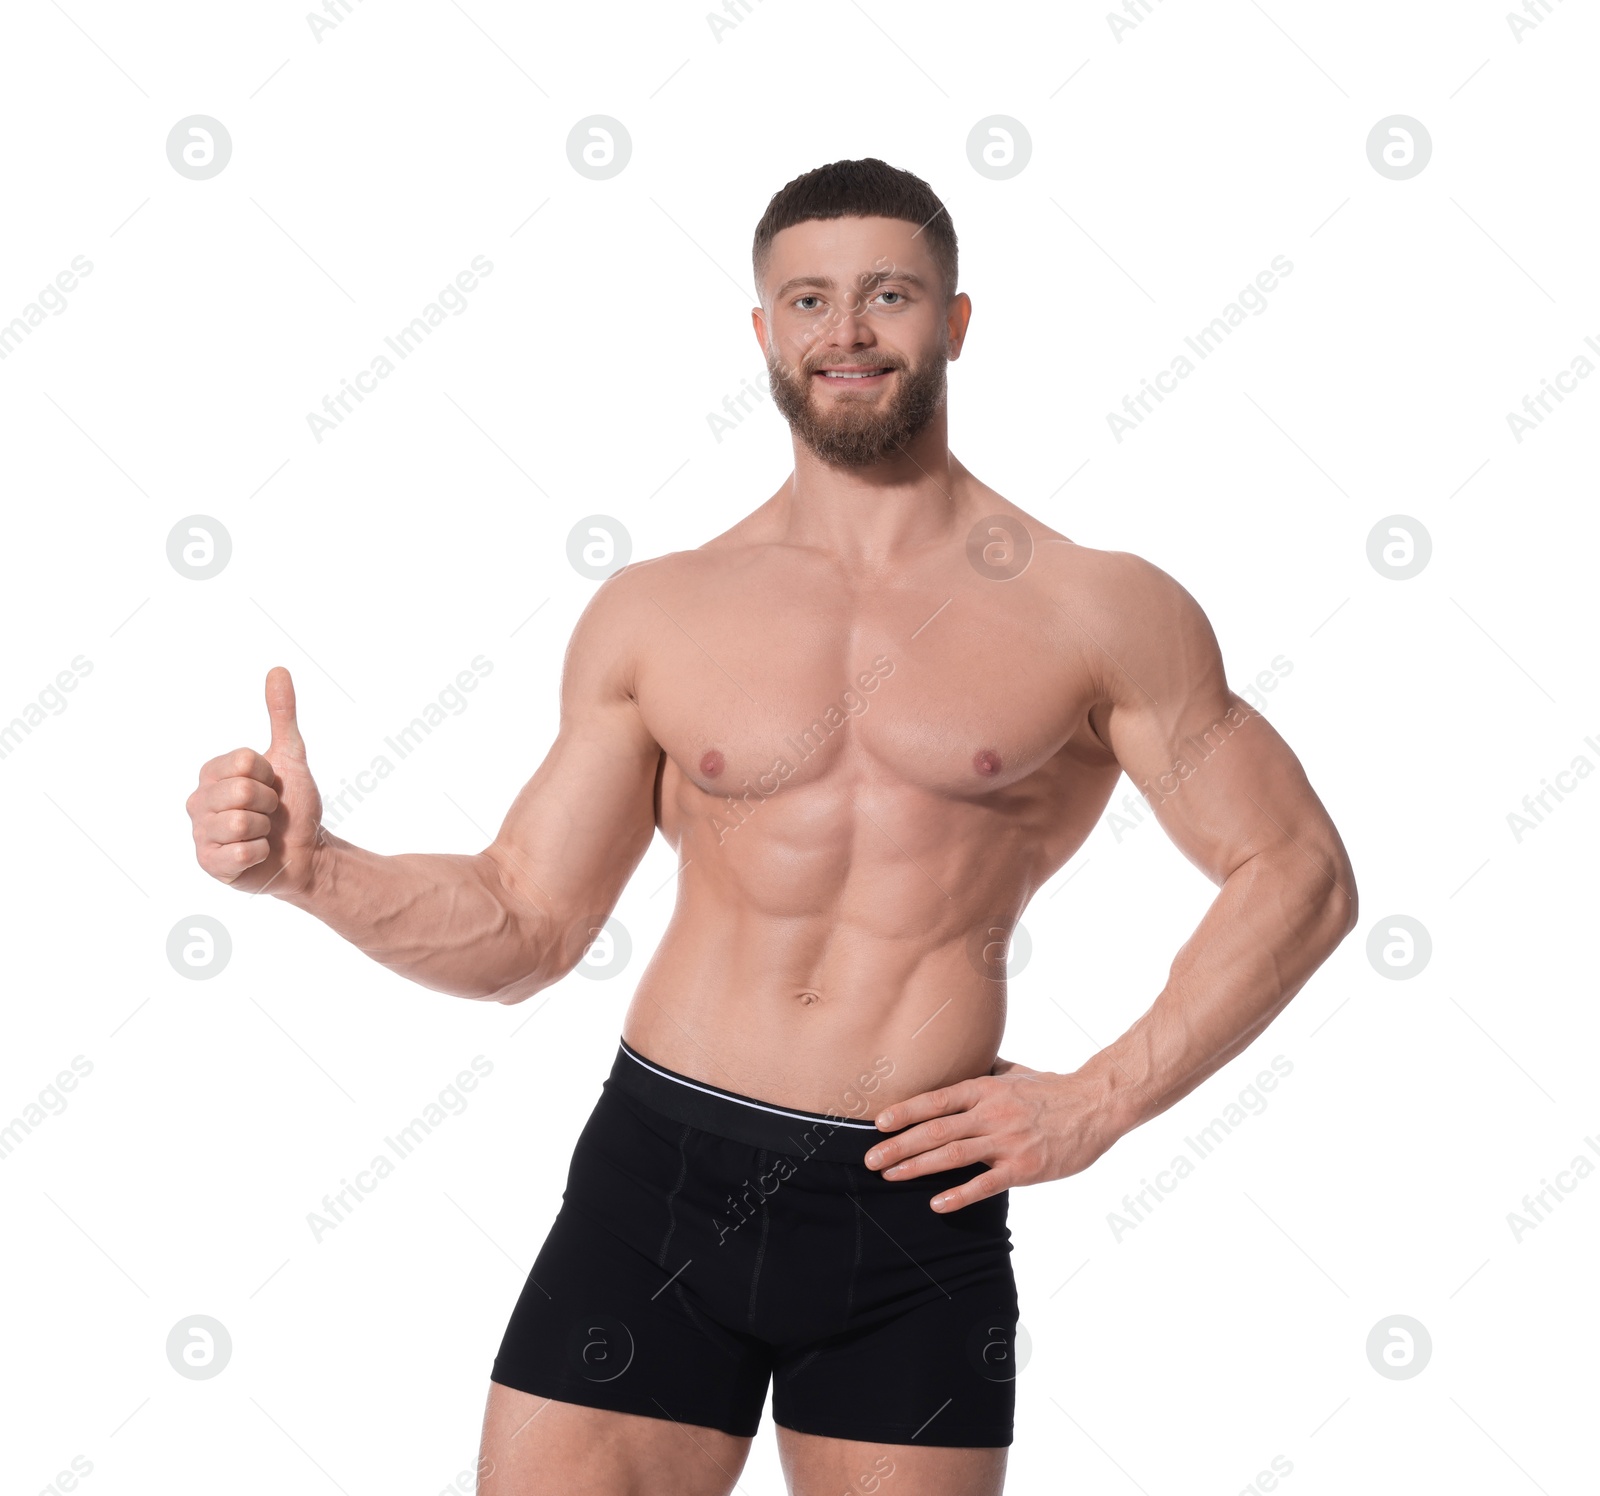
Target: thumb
{"x":286,"y":737}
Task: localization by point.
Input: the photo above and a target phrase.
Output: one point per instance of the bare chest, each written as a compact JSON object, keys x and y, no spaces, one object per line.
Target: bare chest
{"x":951,"y":696}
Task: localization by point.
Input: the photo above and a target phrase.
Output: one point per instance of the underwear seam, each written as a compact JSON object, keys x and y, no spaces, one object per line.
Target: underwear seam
{"x":761,"y":1248}
{"x":744,"y":1101}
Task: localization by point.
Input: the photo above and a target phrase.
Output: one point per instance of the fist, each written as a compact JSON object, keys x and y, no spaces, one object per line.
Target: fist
{"x":257,"y":817}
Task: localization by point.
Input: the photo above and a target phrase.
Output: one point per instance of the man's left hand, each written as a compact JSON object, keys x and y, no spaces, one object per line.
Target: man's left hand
{"x":1027,"y":1125}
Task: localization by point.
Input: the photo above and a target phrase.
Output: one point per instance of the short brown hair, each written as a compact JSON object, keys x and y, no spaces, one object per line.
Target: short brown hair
{"x":868,"y":188}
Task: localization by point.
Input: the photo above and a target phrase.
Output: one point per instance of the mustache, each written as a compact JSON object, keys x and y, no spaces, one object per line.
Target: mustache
{"x":813,"y":364}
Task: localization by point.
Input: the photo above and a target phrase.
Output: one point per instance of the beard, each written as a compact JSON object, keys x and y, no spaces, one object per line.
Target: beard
{"x":856,"y":432}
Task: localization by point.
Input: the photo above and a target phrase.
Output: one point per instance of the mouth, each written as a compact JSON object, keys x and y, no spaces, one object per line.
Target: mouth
{"x":856,"y":376}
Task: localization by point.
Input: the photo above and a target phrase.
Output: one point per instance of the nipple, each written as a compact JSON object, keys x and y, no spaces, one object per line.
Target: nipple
{"x":712,"y":763}
{"x":986,"y":761}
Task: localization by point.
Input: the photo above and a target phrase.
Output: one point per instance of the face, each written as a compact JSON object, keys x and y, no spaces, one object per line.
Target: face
{"x":857,"y":328}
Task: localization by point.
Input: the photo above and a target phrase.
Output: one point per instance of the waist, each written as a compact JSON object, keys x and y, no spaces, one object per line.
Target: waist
{"x":747,"y":1119}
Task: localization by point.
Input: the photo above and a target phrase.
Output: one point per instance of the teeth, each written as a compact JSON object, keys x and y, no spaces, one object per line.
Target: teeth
{"x":837,"y":374}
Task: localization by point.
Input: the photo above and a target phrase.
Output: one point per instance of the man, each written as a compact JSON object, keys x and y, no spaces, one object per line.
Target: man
{"x":872,"y":718}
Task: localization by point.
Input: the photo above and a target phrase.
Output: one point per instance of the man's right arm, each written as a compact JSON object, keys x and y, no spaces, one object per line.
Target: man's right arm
{"x":499,"y":924}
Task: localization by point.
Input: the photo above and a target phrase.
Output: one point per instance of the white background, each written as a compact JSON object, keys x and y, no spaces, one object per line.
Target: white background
{"x":1167,"y":169}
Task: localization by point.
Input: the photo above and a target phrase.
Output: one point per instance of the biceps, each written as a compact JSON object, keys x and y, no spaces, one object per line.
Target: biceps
{"x":1221,"y":781}
{"x":581,"y":824}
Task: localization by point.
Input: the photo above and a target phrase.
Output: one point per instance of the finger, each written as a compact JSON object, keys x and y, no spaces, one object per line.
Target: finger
{"x":228,"y":861}
{"x":281,"y":712}
{"x":228,"y":826}
{"x":956,"y":1154}
{"x":239,"y":792}
{"x":923,"y":1138}
{"x":937,"y":1103}
{"x":240,"y":763}
{"x":990,"y":1182}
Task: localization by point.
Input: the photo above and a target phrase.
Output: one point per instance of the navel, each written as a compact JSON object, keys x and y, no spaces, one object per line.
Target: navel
{"x":986,"y":761}
{"x":712,"y":763}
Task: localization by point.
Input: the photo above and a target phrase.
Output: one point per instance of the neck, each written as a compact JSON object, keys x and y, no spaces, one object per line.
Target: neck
{"x":913,"y":498}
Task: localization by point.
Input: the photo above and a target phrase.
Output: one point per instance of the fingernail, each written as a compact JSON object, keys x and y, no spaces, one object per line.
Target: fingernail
{"x":939,"y":1200}
{"x":874,"y":1159}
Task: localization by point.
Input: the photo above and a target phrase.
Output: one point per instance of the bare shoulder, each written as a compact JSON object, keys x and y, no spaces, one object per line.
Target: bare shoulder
{"x":1141,"y":629}
{"x":632,"y":605}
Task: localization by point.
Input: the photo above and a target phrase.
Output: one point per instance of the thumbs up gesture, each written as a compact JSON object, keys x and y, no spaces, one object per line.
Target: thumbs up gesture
{"x":257,"y":817}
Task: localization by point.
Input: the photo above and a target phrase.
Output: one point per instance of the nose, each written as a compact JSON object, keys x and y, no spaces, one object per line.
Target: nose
{"x":847,"y":326}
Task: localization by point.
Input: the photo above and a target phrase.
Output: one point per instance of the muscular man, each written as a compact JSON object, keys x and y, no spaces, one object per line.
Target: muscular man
{"x":872,"y":719}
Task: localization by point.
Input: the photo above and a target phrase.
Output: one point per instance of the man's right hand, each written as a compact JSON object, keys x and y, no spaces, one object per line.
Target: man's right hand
{"x":257,"y":817}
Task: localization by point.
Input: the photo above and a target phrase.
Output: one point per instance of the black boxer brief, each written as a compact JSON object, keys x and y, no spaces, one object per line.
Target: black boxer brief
{"x":708,"y":1243}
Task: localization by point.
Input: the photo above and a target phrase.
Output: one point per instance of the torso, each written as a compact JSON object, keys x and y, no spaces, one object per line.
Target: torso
{"x":865,"y":782}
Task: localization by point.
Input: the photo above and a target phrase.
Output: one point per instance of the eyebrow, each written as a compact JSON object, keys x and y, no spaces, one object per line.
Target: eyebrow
{"x":867,"y":280}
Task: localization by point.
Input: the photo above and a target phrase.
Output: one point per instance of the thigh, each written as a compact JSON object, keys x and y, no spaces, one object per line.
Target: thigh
{"x":537,"y":1446}
{"x":817,"y":1466}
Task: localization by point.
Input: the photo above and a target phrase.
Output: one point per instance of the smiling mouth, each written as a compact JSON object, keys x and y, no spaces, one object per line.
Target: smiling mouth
{"x":854,"y":373}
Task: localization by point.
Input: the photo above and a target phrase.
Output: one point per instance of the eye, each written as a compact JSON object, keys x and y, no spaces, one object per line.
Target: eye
{"x":800,"y":301}
{"x":900,"y":294}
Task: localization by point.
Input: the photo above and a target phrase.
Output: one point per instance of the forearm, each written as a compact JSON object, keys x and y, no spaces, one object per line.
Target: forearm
{"x":444,"y":920}
{"x":1273,"y":923}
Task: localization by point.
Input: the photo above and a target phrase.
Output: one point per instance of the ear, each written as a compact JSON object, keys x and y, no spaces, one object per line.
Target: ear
{"x":758,"y":320}
{"x":956,"y":319}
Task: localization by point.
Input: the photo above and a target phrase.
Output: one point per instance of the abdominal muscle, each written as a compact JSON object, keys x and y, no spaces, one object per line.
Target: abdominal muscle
{"x":827,"y":953}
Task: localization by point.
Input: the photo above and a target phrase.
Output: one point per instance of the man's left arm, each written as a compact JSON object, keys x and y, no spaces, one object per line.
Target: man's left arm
{"x":1234,"y":798}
